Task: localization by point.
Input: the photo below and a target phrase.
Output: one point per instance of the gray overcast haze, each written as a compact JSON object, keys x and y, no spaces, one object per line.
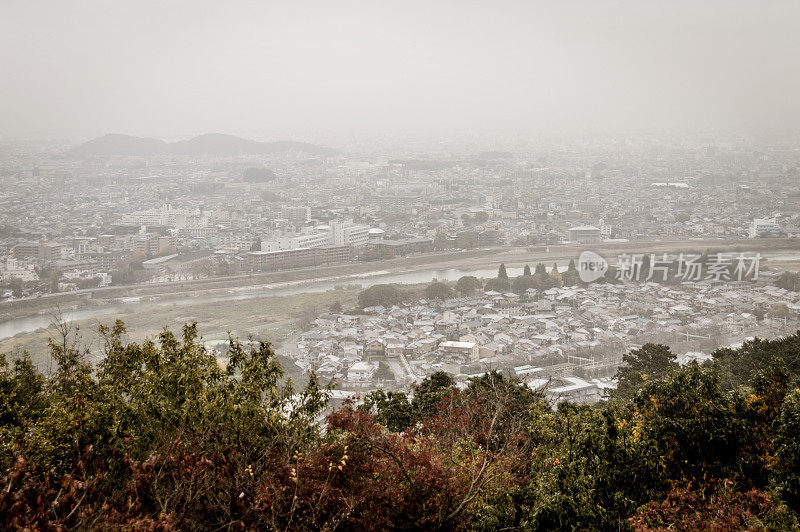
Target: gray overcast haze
{"x":184,"y":67}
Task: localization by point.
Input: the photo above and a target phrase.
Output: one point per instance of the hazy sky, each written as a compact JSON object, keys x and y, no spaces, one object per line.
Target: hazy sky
{"x":182,"y":67}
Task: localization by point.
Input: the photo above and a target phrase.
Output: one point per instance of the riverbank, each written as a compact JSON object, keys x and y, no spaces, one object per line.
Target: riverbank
{"x":271,"y":308}
{"x":271,"y":318}
{"x":462,"y":260}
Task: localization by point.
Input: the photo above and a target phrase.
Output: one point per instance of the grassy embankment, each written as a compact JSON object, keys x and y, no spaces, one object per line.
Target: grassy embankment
{"x":272,"y":318}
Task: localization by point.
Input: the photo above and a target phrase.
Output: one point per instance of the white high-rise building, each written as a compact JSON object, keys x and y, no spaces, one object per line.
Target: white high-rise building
{"x":336,"y":234}
{"x":349,"y":234}
{"x":311,"y":239}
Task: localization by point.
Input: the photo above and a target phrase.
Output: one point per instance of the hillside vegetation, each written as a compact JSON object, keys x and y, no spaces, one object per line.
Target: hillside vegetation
{"x":166,"y":434}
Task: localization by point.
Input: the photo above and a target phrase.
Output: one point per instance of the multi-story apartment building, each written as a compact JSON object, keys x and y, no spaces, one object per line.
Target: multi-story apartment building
{"x":295,"y":258}
{"x":26,"y":250}
{"x":150,"y":244}
{"x":335,"y":234}
{"x":298,"y":215}
{"x":167,"y":216}
{"x":349,"y":234}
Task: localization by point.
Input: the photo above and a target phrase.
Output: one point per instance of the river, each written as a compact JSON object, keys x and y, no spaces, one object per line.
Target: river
{"x":22,"y":325}
{"x":29,"y":324}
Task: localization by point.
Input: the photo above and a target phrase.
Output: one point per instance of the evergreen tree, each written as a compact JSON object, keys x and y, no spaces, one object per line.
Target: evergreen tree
{"x":437,"y":290}
{"x":540,"y":268}
{"x":380,"y":295}
{"x":392,"y":409}
{"x":497,"y":285}
{"x":468,"y":284}
{"x":644,"y":272}
{"x":649,"y":362}
{"x":787,"y":474}
{"x":523,"y":283}
{"x":501,"y":273}
{"x":571,"y":277}
{"x":431,"y":392}
{"x":527,"y":271}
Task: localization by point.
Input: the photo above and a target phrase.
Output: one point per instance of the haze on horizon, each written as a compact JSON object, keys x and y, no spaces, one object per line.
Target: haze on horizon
{"x":185,"y":67}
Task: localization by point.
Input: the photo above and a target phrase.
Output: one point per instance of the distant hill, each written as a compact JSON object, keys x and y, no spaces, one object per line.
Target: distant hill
{"x":258,"y":175}
{"x":114,"y":144}
{"x":214,"y":144}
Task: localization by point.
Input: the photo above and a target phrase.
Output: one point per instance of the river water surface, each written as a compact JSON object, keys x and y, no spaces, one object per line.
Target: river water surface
{"x":23,"y":325}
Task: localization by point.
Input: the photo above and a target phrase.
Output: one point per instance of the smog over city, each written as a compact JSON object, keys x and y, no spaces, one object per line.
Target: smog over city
{"x":455,"y":265}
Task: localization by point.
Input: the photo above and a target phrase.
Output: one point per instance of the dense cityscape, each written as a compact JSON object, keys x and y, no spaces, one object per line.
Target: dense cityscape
{"x":74,"y":222}
{"x":127,"y":215}
{"x":310,"y":266}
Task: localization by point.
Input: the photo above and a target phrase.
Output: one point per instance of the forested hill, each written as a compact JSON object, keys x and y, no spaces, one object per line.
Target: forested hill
{"x":211,"y":144}
{"x":161,"y":435}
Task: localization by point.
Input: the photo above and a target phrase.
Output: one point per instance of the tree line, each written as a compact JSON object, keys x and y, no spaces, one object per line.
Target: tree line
{"x":540,"y":279}
{"x":167,"y":434}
